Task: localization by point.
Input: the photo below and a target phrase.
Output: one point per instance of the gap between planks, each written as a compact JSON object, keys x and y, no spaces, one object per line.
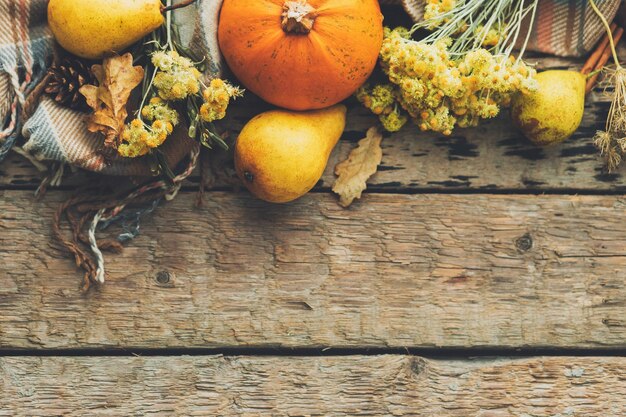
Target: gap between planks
{"x":328,"y":351}
{"x":241,"y":191}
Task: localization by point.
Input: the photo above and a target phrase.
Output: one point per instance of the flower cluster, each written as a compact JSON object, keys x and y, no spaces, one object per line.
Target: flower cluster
{"x":612,"y":146}
{"x":138,"y":137}
{"x":216,"y":98}
{"x":439,"y":91}
{"x":435,"y":9}
{"x":438,"y":13}
{"x":381,"y":100}
{"x":158,"y":109}
{"x":394,"y":120}
{"x":612,"y":140}
{"x":177,"y":77}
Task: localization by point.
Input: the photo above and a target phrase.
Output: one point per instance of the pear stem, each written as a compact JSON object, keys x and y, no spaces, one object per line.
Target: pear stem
{"x":180,"y":5}
{"x":593,"y":73}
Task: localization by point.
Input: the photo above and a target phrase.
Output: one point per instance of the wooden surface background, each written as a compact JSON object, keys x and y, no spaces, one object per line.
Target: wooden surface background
{"x":478,"y":276}
{"x":384,"y":385}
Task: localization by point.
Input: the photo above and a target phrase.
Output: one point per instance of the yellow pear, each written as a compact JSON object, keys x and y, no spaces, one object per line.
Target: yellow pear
{"x":554,"y":111}
{"x":280,"y":155}
{"x":94,"y":28}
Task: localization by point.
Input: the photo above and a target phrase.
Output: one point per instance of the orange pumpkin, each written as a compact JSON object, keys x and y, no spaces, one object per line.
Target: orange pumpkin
{"x":301,"y":54}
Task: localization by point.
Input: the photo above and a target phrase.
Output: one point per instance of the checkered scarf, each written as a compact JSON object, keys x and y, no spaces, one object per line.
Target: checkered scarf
{"x":55,"y":133}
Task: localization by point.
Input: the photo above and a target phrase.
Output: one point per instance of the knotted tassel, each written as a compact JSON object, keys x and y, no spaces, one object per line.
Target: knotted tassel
{"x":99,"y":213}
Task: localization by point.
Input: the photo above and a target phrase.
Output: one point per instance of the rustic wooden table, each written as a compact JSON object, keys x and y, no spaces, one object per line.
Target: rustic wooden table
{"x":478,"y":276}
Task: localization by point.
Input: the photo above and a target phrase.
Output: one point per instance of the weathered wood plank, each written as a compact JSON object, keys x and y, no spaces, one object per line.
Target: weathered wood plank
{"x":393,"y":271}
{"x":492,"y":157}
{"x":312,"y":386}
{"x":17,"y":171}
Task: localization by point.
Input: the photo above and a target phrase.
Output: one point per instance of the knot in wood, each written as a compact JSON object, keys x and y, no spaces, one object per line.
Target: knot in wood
{"x":163,"y":277}
{"x":418,"y":366}
{"x":524,"y":243}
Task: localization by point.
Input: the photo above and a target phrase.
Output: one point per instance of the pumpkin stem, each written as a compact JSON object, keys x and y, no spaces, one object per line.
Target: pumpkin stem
{"x":298,"y":17}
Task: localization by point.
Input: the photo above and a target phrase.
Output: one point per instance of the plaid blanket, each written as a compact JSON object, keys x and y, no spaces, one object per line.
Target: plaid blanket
{"x":55,"y":133}
{"x":25,"y":50}
{"x":569,"y":27}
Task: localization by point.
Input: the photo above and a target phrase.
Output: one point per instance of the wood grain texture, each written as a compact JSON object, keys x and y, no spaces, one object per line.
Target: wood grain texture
{"x":313,"y":386}
{"x":393,"y":271}
{"x":493,"y":156}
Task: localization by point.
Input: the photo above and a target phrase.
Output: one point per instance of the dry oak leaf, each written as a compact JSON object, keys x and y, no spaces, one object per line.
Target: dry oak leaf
{"x":362,"y":163}
{"x":116,"y":78}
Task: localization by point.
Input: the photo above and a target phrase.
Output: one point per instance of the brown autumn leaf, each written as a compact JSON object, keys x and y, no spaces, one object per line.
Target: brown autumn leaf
{"x":116,"y":78}
{"x":362,"y":163}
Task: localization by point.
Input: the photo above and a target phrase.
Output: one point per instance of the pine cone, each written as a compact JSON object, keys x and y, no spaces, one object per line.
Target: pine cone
{"x":65,"y":81}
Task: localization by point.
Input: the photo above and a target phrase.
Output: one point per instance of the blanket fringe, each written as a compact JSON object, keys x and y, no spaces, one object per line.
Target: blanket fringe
{"x":27,"y":94}
{"x":41,"y":167}
{"x":99,"y":213}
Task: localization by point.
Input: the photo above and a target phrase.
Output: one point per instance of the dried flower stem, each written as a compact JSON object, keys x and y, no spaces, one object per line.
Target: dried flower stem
{"x":608,"y":31}
{"x":612,"y":141}
{"x":180,"y":5}
{"x":469,"y":22}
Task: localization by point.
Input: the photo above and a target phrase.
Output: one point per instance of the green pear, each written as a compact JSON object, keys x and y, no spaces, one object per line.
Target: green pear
{"x":553,"y":112}
{"x":94,"y":28}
